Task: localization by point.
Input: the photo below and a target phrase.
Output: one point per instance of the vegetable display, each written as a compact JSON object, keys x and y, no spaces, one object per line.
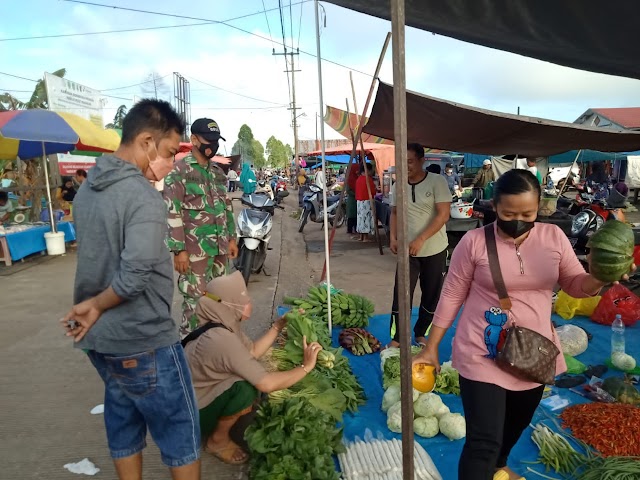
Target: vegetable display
{"x":293,"y":440}
{"x":610,"y":428}
{"x":623,"y":361}
{"x":622,"y":390}
{"x":611,"y":251}
{"x":573,"y":339}
{"x":555,"y":451}
{"x":382,"y":459}
{"x":611,"y":468}
{"x":426,"y":427}
{"x":423,"y":377}
{"x":453,"y":426}
{"x":347,"y":310}
{"x":448,"y":380}
{"x":391,"y":365}
{"x":358,"y":341}
{"x":429,"y":405}
{"x":294,"y":435}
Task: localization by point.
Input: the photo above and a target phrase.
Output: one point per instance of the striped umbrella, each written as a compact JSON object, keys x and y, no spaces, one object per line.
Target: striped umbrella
{"x":32,"y":133}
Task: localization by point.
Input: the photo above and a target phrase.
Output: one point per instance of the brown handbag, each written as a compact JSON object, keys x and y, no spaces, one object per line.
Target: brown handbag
{"x":524,"y":353}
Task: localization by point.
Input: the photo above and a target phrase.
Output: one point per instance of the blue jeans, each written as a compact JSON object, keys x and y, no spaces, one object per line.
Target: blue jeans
{"x":150,"y":390}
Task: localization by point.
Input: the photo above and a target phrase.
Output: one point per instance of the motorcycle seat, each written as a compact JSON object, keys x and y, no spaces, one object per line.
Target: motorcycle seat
{"x":333,"y":198}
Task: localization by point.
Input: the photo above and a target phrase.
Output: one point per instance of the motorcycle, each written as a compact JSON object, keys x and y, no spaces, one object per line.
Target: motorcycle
{"x":254,"y":232}
{"x":312,"y":208}
{"x":264,"y":187}
{"x":281,"y":190}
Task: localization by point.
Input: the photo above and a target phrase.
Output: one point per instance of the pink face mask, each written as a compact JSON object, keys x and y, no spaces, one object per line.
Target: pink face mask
{"x":158,"y":168}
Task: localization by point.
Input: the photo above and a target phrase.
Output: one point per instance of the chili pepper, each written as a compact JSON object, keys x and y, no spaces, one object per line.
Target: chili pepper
{"x":609,"y":428}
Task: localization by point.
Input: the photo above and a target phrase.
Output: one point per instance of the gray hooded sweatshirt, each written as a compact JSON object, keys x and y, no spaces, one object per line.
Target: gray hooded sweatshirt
{"x":121,"y":228}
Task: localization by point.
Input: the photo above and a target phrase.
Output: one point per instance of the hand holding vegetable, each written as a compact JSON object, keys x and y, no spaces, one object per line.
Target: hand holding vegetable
{"x":430,"y":356}
{"x":311,"y":352}
{"x":280,"y":323}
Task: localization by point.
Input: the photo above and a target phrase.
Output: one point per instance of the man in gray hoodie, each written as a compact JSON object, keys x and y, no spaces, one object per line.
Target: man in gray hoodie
{"x":123,"y":295}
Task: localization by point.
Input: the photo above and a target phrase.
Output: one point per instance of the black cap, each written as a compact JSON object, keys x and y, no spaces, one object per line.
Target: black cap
{"x":207,"y":129}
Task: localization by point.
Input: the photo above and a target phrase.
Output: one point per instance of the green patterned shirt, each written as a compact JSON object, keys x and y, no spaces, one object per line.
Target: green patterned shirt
{"x":200,"y":213}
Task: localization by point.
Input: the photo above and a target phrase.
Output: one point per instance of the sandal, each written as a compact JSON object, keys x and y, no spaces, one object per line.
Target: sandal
{"x":227,"y":453}
{"x":390,"y":345}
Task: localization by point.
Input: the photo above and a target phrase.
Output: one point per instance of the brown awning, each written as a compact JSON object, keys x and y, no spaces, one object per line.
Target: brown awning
{"x":438,"y":123}
{"x":590,"y":35}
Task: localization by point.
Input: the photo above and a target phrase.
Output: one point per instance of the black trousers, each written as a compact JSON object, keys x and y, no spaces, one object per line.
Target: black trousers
{"x":495,"y":420}
{"x":232,"y":185}
{"x":351,"y":225}
{"x":430,"y":271}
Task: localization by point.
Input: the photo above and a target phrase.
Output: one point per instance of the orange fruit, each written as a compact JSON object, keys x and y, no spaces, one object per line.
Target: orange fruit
{"x":423,"y":377}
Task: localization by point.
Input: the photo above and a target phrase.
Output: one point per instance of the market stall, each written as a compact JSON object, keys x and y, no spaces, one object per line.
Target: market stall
{"x":20,"y":241}
{"x":372,"y":419}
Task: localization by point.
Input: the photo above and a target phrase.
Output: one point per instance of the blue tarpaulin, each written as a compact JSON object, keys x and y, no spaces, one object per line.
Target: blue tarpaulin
{"x":445,"y":453}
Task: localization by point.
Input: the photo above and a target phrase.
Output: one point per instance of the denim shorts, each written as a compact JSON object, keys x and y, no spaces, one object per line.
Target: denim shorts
{"x":150,"y":390}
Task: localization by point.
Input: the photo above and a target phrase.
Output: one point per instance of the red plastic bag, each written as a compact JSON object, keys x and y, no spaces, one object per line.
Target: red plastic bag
{"x":617,"y":300}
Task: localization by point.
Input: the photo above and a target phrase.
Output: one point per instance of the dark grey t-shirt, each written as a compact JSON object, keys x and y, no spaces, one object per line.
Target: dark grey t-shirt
{"x":121,"y":228}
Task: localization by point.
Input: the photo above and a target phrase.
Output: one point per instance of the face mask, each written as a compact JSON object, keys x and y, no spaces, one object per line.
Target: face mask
{"x":514,"y":228}
{"x":245,"y":309}
{"x":211,"y":147}
{"x":159,"y":167}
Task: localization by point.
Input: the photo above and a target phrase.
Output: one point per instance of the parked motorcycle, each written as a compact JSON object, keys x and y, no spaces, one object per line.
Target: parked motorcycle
{"x":254,"y":226}
{"x":264,"y":187}
{"x":312,"y":208}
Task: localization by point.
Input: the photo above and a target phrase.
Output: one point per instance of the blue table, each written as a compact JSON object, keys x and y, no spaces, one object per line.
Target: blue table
{"x":27,"y":242}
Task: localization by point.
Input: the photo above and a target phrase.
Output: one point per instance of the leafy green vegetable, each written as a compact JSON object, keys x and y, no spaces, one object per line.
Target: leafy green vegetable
{"x":448,"y":380}
{"x":293,"y":440}
{"x":391,"y":369}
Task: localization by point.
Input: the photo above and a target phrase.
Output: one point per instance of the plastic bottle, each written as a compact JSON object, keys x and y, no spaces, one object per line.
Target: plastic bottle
{"x":617,"y":335}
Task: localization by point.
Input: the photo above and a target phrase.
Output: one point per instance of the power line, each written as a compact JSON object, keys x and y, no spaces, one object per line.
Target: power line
{"x":284,"y":44}
{"x":267,"y":19}
{"x":221,"y":23}
{"x":21,"y":78}
{"x":235,"y":93}
{"x":291,"y":23}
{"x":134,"y":85}
{"x":299,"y":27}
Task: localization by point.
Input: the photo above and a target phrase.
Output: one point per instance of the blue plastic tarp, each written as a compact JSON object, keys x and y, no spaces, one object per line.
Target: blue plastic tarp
{"x":445,"y":453}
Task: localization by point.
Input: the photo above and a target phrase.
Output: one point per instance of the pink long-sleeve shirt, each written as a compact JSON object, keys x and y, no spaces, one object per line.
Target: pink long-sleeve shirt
{"x":530,"y":273}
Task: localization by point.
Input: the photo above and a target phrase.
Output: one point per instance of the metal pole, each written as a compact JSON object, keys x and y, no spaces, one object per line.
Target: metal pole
{"x":404,"y":317}
{"x":372,"y":202}
{"x":324,"y":171}
{"x":358,"y":133}
{"x":295,"y":123}
{"x":46,"y":180}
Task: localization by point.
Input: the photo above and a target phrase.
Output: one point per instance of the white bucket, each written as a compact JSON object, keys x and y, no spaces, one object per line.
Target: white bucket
{"x":55,"y":243}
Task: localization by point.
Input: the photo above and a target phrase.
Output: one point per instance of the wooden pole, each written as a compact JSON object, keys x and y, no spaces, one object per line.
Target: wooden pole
{"x":360,"y":127}
{"x":404,"y":314}
{"x":569,"y":174}
{"x":372,"y":202}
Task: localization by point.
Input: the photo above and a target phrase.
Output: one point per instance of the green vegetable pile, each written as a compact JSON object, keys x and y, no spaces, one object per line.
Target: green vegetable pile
{"x":295,"y":434}
{"x":293,"y":440}
{"x":347,"y":310}
{"x":448,"y":380}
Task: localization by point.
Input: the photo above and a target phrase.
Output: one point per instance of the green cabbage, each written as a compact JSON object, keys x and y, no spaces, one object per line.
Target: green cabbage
{"x":429,"y":405}
{"x":426,"y":427}
{"x":453,"y":426}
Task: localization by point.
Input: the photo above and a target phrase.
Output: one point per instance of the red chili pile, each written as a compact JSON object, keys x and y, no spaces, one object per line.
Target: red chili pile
{"x":610,"y":428}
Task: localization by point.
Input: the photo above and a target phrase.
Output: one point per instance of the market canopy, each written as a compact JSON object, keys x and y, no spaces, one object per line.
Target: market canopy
{"x":589,"y":35}
{"x":384,"y":155}
{"x":438,"y":123}
{"x":342,"y":122}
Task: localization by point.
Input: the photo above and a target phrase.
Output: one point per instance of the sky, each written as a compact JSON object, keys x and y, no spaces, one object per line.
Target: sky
{"x":235,"y":78}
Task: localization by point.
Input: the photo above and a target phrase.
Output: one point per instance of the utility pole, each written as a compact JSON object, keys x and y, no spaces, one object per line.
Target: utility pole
{"x":293,"y":107}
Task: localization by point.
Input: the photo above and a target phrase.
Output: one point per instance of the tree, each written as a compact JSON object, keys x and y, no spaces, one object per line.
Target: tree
{"x":118,"y":117}
{"x":154,"y":86}
{"x":278,"y":154}
{"x":38,"y":97}
{"x":258,"y":154}
{"x":245,"y":146}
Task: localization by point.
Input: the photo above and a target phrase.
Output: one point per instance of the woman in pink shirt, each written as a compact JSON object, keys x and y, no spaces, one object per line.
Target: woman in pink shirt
{"x":534,"y":257}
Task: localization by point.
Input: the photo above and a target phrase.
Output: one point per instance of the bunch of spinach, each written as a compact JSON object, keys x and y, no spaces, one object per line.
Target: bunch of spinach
{"x":293,"y":440}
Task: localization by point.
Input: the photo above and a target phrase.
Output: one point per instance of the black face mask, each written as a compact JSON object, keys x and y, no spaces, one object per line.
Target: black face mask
{"x":212,"y":147}
{"x":514,"y":228}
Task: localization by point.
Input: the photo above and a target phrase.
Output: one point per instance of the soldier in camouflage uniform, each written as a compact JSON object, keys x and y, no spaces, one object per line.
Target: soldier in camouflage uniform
{"x":202,"y":232}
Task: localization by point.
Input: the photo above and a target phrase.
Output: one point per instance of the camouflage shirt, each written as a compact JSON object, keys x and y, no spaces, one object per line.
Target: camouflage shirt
{"x":200,"y":214}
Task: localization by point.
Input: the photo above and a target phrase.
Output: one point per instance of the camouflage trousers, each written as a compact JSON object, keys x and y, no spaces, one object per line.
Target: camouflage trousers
{"x":192,"y":285}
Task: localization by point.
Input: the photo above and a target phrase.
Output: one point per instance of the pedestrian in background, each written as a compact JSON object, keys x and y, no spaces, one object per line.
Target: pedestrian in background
{"x":232,"y":177}
{"x":484,"y":176}
{"x":202,"y":230}
{"x":365,"y":225}
{"x":123,"y":294}
{"x":452,"y":178}
{"x":352,"y":203}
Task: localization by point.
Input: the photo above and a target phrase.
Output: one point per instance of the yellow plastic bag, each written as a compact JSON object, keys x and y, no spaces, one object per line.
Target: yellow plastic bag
{"x":567,"y":307}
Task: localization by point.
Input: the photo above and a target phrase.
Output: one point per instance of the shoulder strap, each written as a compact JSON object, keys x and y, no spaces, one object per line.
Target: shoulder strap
{"x":199,"y":331}
{"x":494,"y":265}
